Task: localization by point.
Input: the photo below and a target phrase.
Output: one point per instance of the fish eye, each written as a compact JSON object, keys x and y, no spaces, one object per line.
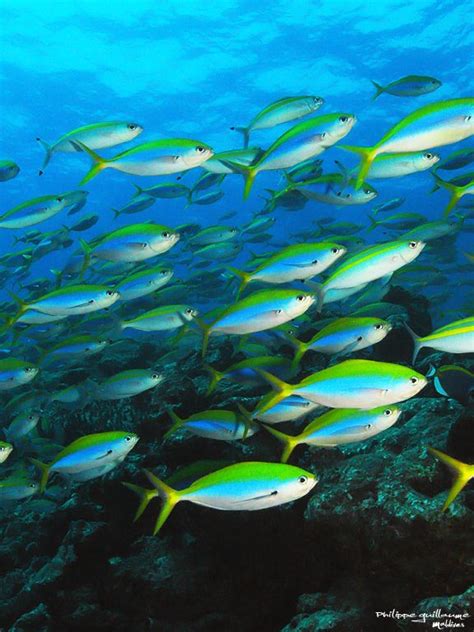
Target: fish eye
{"x":32,"y":417}
{"x":303,"y":479}
{"x":379,"y":326}
{"x":128,"y":438}
{"x":429,"y":156}
{"x":164,"y":272}
{"x":166,"y":234}
{"x":109,"y":293}
{"x":343,"y":119}
{"x":301,"y":297}
{"x":335,"y":251}
{"x":155,"y":376}
{"x":132,"y":126}
{"x":30,"y":369}
{"x":414,"y":380}
{"x":189,"y":311}
{"x":32,"y":485}
{"x":91,"y":302}
{"x":59,"y":199}
{"x":339,"y":193}
{"x":367,"y":191}
{"x":348,"y":196}
{"x":413,"y":244}
{"x":467,"y":118}
{"x":387,"y":412}
{"x":314,"y":262}
{"x":200,"y":149}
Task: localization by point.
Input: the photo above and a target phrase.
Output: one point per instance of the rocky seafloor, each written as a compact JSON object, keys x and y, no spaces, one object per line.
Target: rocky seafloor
{"x":370,"y":538}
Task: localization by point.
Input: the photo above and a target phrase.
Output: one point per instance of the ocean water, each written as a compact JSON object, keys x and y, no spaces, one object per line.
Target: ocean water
{"x":194,"y":70}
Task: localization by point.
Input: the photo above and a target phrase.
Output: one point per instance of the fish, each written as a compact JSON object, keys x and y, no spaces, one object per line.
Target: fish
{"x":281,"y":111}
{"x":23,"y":424}
{"x":350,"y":384}
{"x":259,"y":311}
{"x":244,"y":371}
{"x":132,"y":243}
{"x":370,"y":264}
{"x":290,"y":408}
{"x":8,"y":170}
{"x":143,"y":283}
{"x":155,"y":158}
{"x":5,"y":450}
{"x":409,"y":86}
{"x":220,"y":425}
{"x":127,"y":384}
{"x":433,"y":125}
{"x":86,"y":453}
{"x":32,"y":212}
{"x":161,"y":318}
{"x":463,"y":473}
{"x":207,"y":180}
{"x":456,"y":337}
{"x":68,"y":301}
{"x":401,"y":164}
{"x":342,"y":336}
{"x":303,"y":141}
{"x":453,"y":381}
{"x":457,"y":159}
{"x":218,"y":163}
{"x":388,"y":206}
{"x":17,"y":489}
{"x":433,"y":230}
{"x":222,"y":251}
{"x":457,"y":192}
{"x":95,"y":136}
{"x":74,"y":348}
{"x":213,"y":235}
{"x":209,"y":197}
{"x":334,"y":189}
{"x":295,"y":262}
{"x":137,"y":204}
{"x":339,"y":427}
{"x":164,"y":191}
{"x":403,"y":221}
{"x":15,"y":373}
{"x":248,"y":486}
{"x":84,"y":223}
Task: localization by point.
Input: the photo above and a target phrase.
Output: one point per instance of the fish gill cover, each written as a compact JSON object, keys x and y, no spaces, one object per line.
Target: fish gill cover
{"x":236,"y":262}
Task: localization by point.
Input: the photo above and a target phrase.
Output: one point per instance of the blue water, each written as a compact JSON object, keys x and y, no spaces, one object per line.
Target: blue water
{"x":185,"y":69}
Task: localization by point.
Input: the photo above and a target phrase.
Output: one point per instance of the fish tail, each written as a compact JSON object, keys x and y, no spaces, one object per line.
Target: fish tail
{"x":177,"y":422}
{"x":216,"y":377}
{"x":116,"y":212}
{"x":373,"y":223}
{"x":247,"y":419}
{"x":282,"y":390}
{"x":245,"y":133}
{"x":243,"y":276}
{"x":379,"y":89}
{"x":44,"y":469}
{"x":11,"y":320}
{"x":463,"y":473}
{"x":145,"y":496}
{"x":99,"y":163}
{"x":139,"y":190}
{"x":289,"y":442}
{"x":416,"y":342}
{"x":49,"y":152}
{"x":320,"y":292}
{"x":206,"y":332}
{"x":456,"y":193}
{"x":87,"y":256}
{"x":168,"y":495}
{"x":367,"y":156}
{"x":300,"y":349}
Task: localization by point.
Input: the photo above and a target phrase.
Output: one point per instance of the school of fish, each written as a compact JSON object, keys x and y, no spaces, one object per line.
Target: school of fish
{"x":185,"y":289}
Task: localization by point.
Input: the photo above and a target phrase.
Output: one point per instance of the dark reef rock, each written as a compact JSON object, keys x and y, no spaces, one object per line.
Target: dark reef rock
{"x":371,"y":536}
